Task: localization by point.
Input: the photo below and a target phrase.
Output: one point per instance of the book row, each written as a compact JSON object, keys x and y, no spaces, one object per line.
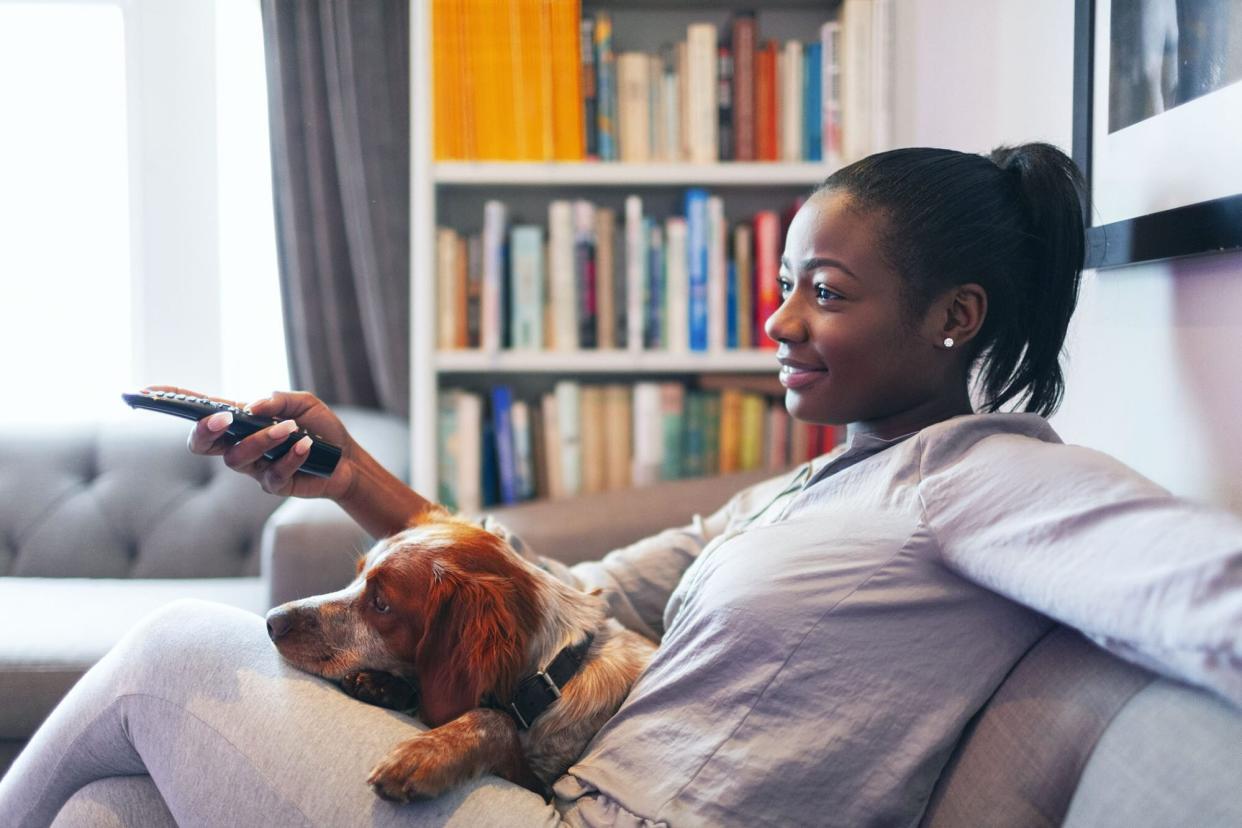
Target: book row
{"x":594,"y":279}
{"x":582,"y":438}
{"x":539,"y":81}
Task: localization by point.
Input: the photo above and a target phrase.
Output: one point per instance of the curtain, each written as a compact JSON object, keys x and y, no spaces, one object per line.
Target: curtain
{"x":338,"y":91}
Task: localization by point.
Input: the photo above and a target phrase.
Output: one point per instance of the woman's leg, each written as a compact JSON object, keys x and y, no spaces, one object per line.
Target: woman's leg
{"x":198,"y":697}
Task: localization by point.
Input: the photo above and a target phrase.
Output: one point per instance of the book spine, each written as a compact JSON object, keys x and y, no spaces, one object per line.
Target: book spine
{"x":777,"y":454}
{"x":502,"y":426}
{"x":677,"y":285}
{"x":812,"y":85}
{"x":701,"y":101}
{"x":731,"y":320}
{"x":619,"y":440}
{"x":461,"y":289}
{"x":657,"y":299}
{"x":790,"y":104}
{"x":605,"y":289}
{"x":765,"y":103}
{"x":590,"y":93}
{"x":593,"y":433}
{"x":633,"y":106}
{"x":767,"y":258}
{"x":495,"y":220}
{"x":648,"y":434}
{"x":568,"y":415}
{"x":563,"y":292}
{"x":656,"y":140}
{"x":446,"y":290}
{"x":730,"y":430}
{"x":449,"y":441}
{"x":555,"y":468}
{"x":692,"y":450}
{"x":635,"y":273}
{"x":585,"y":274}
{"x":672,"y":417}
{"x":526,"y":242}
{"x":671,"y":99}
{"x":469,"y":451}
{"x":567,"y":89}
{"x":717,"y":273}
{"x":743,"y":41}
{"x":745,"y":286}
{"x":724,"y":102}
{"x":605,"y":66}
{"x":751,"y":452}
{"x":474,"y":290}
{"x":697,"y":265}
{"x":711,"y":434}
{"x":830,"y":38}
{"x":524,"y":473}
{"x":856,"y":89}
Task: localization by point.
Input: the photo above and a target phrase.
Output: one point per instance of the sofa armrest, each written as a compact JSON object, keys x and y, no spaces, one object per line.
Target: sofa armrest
{"x":587,"y":527}
{"x":309,"y":547}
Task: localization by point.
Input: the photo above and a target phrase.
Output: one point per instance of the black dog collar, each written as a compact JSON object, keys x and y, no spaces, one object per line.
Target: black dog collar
{"x":535,"y":694}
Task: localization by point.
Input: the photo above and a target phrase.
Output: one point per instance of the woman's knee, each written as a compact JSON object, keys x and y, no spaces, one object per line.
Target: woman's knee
{"x":193,"y":634}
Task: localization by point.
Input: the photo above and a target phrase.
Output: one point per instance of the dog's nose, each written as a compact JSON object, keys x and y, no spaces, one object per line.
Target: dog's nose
{"x":278,"y":622}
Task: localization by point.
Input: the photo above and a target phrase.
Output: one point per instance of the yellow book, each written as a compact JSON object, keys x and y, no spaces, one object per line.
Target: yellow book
{"x":730,"y":430}
{"x":441,"y":76}
{"x":753,"y":412}
{"x":567,"y":114}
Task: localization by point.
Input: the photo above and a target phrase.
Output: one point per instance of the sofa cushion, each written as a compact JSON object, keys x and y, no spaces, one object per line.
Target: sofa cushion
{"x":1019,"y":761}
{"x":56,"y":628}
{"x":1172,"y":756}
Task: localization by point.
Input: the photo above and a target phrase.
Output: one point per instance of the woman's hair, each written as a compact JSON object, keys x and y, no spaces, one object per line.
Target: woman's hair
{"x":1011,"y":222}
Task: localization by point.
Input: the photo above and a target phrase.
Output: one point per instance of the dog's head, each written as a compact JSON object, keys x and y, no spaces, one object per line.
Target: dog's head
{"x":445,"y":603}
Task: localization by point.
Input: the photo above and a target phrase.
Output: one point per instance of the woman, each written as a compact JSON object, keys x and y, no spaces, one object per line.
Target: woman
{"x":827,"y":634}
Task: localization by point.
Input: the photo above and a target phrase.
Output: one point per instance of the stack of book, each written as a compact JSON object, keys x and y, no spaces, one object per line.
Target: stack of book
{"x":581,"y":438}
{"x":594,"y":279}
{"x":527,"y":80}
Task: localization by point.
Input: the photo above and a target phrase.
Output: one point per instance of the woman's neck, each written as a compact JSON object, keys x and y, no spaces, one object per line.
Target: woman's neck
{"x":916,"y":418}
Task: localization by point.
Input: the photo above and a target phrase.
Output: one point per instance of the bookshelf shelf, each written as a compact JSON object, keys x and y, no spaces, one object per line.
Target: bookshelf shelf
{"x":619,"y":174}
{"x":605,"y":362}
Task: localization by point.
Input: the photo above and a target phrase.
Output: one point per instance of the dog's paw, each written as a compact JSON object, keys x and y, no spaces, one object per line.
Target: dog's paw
{"x":381,"y":689}
{"x":415,"y":769}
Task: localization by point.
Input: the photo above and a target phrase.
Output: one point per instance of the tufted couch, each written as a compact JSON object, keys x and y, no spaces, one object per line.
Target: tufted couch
{"x":100,"y":524}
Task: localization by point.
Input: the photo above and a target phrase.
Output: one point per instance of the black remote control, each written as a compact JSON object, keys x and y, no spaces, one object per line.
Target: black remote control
{"x":320,"y":461}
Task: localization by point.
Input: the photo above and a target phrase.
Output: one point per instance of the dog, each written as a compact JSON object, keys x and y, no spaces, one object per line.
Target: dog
{"x":513,"y":670}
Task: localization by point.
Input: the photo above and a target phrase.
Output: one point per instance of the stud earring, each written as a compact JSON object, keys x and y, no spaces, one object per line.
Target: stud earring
{"x":948,"y":342}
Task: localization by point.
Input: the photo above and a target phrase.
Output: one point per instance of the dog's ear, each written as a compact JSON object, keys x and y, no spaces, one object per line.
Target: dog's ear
{"x":473,"y":643}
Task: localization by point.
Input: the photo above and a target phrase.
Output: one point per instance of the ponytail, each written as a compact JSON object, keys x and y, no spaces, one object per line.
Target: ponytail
{"x":1011,"y":222}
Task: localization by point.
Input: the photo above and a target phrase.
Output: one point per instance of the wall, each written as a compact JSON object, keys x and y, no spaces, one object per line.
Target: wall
{"x":1153,"y":354}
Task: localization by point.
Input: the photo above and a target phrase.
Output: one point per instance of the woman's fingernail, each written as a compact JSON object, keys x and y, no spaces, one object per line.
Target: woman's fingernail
{"x":302,"y":446}
{"x":283,"y":429}
{"x":219,"y":421}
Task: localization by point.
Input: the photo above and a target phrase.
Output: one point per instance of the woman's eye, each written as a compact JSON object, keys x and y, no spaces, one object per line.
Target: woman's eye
{"x":380,"y":605}
{"x":785,"y":287}
{"x":824,"y":294}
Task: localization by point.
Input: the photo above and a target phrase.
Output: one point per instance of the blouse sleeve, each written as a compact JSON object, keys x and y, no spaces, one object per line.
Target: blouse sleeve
{"x":1084,"y":539}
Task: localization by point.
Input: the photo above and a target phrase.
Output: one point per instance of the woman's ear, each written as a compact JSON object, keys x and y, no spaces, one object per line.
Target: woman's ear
{"x":958,"y":315}
{"x":473,"y":644}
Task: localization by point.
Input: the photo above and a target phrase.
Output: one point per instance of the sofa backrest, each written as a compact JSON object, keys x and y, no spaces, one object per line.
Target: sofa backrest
{"x":124,"y":499}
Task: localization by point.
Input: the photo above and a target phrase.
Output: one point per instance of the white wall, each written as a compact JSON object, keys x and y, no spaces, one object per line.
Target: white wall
{"x":1154,"y":351}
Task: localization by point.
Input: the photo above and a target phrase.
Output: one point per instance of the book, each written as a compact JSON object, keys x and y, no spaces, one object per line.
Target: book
{"x":569,"y":426}
{"x":493,"y":308}
{"x":745,"y":281}
{"x":562,"y":284}
{"x":766,"y":147}
{"x":566,"y":88}
{"x":469,"y":416}
{"x":592,"y":413}
{"x":590,"y":113}
{"x":717,"y":273}
{"x":753,"y":422}
{"x":656,"y":335}
{"x":730,"y":430}
{"x":553,"y":457}
{"x":502,"y":426}
{"x":618,"y":441}
{"x":700,"y":101}
{"x":446,"y":288}
{"x":446,"y":457}
{"x":648,"y":433}
{"x":743,"y":41}
{"x":671,"y":103}
{"x":776,"y":456}
{"x":633,"y":106}
{"x":724,"y":102}
{"x":461,"y":303}
{"x":672,"y":418}
{"x":527,"y":286}
{"x":692,"y":445}
{"x":731,"y":320}
{"x":635,"y":273}
{"x":789,"y":101}
{"x":767,"y":268}
{"x":605,"y":67}
{"x":677,"y":286}
{"x":711,"y":434}
{"x":856,"y":78}
{"x":830,"y":41}
{"x":523,"y":456}
{"x":812,"y":84}
{"x":474,"y":290}
{"x":539,"y":451}
{"x":584,"y":273}
{"x":697,"y":257}
{"x":606,"y":293}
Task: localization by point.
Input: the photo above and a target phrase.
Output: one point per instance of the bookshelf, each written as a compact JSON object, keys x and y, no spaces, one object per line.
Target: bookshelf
{"x":452,"y":193}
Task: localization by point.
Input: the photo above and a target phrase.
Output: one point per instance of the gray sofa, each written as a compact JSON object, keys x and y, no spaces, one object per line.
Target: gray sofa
{"x":1073,"y":735}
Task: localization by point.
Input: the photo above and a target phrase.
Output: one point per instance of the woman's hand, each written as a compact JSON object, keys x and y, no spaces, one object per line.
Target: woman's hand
{"x":294,"y":409}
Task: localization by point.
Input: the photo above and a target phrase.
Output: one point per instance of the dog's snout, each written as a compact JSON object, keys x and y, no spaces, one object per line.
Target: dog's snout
{"x":279,"y":622}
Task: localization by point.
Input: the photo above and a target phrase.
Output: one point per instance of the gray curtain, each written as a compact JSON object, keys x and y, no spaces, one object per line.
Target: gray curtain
{"x":338,"y":91}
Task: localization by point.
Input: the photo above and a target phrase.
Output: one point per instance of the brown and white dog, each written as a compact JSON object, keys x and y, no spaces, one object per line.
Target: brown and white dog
{"x":451,"y":608}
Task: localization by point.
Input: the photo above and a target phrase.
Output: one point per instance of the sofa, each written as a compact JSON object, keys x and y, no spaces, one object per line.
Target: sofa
{"x":1073,"y":736}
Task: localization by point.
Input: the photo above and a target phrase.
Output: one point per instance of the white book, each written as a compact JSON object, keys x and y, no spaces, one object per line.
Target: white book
{"x":569,"y":422}
{"x":446,"y":288}
{"x":527,"y":285}
{"x":676,"y":285}
{"x":495,"y":220}
{"x":635,"y":273}
{"x":562,"y":285}
{"x":655,"y":108}
{"x":790,"y":101}
{"x":633,"y":106}
{"x":552,"y":442}
{"x":648,"y":433}
{"x":703,"y":116}
{"x":469,"y":409}
{"x":883,"y":46}
{"x":672,"y":115}
{"x":717,"y":275}
{"x":856,"y":80}
{"x":830,"y":87}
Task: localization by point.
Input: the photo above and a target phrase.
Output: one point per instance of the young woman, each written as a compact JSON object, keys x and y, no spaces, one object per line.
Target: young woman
{"x":827,"y":634}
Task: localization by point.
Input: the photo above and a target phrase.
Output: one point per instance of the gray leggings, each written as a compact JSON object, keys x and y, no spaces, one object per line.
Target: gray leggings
{"x":197,"y":697}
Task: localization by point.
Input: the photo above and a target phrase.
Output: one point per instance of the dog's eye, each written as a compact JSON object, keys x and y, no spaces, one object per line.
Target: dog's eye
{"x":379,"y":603}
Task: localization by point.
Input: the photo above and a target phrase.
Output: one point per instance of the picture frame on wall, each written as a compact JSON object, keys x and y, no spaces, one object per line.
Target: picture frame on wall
{"x":1158,"y":127}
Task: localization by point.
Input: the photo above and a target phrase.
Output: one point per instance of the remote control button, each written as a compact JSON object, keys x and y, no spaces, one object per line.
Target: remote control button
{"x":180,"y":397}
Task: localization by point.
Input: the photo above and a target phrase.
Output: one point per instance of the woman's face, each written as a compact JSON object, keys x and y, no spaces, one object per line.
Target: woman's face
{"x":848,"y":353}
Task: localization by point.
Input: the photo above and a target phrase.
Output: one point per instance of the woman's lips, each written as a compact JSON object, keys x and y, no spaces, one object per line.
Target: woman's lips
{"x":792,"y":377}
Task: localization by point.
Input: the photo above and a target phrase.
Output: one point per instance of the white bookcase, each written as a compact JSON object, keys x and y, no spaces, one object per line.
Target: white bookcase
{"x":453,"y":193}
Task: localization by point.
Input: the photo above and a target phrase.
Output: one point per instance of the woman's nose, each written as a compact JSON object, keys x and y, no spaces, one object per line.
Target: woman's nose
{"x":785,"y":325}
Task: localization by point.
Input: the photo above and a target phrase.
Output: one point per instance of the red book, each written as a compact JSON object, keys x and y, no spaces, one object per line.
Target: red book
{"x":766,"y":147}
{"x":767,"y":268}
{"x":744,"y":86}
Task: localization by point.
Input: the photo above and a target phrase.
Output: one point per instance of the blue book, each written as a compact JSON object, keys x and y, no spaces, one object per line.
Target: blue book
{"x":502,"y":425}
{"x":489,"y":483}
{"x":731,"y":307}
{"x":812,"y":101}
{"x":606,"y":78}
{"x":696,"y":252}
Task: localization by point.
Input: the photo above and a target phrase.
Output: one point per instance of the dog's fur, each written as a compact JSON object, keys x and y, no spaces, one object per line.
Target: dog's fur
{"x":451,"y":608}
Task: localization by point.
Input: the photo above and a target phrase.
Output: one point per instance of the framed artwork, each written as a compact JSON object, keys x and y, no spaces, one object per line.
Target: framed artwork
{"x":1158,"y":127}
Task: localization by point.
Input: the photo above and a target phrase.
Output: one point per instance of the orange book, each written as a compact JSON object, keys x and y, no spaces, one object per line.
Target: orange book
{"x":441,"y":76}
{"x":730,"y":430}
{"x":567,"y":117}
{"x":766,"y":148}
